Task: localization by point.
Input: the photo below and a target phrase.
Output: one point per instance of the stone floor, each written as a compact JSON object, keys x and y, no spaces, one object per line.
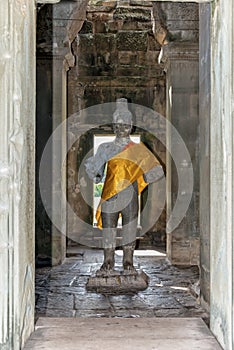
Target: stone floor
{"x":61,"y":292}
{"x":121,"y":333}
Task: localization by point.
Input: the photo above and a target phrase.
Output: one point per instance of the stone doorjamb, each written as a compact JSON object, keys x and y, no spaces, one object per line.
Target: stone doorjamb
{"x":222,"y":173}
{"x":181,"y":60}
{"x":221,"y":166}
{"x":221,"y":169}
{"x":17,"y":174}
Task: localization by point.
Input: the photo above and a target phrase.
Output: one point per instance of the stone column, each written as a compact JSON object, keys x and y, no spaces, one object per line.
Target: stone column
{"x":17,"y":135}
{"x":182,"y":111}
{"x":58,"y":248}
{"x":222,"y":173}
{"x":204,"y":151}
{"x":72,"y":15}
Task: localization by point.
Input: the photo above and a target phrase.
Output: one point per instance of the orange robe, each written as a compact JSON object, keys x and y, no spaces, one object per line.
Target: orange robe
{"x":125,"y":168}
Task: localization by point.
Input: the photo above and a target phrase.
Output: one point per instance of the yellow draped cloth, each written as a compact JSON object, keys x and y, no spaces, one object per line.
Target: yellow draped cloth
{"x":125,"y":168}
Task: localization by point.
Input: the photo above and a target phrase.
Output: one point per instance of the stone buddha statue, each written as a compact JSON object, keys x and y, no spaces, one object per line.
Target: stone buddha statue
{"x":130,"y":168}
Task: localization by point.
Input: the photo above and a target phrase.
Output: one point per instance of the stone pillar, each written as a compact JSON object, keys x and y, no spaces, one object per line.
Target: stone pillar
{"x":58,"y":248}
{"x":17,"y":129}
{"x":222,"y":173}
{"x":182,"y":111}
{"x":204,"y":151}
{"x":72,"y":15}
{"x":61,"y":12}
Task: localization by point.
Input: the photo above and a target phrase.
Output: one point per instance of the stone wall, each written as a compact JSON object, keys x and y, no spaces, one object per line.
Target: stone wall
{"x":179,"y":21}
{"x":221,"y":173}
{"x":117,"y":55}
{"x":17,"y":128}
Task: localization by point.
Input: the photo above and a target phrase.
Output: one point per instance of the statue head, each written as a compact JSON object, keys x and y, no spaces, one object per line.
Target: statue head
{"x":122,"y":118}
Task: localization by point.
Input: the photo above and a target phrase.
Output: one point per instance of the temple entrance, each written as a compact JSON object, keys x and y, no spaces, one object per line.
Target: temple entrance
{"x":135,"y":50}
{"x":214,"y":146}
{"x":119,"y":51}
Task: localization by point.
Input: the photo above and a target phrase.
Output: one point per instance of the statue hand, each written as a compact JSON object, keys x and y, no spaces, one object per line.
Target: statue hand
{"x":97,"y":178}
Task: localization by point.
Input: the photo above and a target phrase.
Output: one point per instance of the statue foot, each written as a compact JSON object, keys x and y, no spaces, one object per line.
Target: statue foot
{"x":109,"y":262}
{"x":128,"y":266}
{"x":109,"y":259}
{"x":107,"y":265}
{"x":105,"y":270}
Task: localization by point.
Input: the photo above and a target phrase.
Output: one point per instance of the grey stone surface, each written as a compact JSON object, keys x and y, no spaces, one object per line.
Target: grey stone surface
{"x":221,"y":173}
{"x":177,"y":21}
{"x":125,"y":333}
{"x":182,"y":60}
{"x":118,"y":283}
{"x":63,"y":288}
{"x":17,"y":174}
{"x":131,"y":40}
{"x":204,"y":119}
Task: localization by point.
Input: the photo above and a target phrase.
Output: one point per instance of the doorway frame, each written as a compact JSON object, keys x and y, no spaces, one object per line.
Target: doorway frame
{"x":16,"y":329}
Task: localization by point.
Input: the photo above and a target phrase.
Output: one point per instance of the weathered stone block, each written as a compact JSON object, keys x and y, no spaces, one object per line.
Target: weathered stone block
{"x":180,"y":11}
{"x":184,"y":35}
{"x":87,"y":59}
{"x":100,"y":27}
{"x":129,"y":25}
{"x":152,"y":58}
{"x":141,"y":57}
{"x":105,"y":42}
{"x":115,"y":282}
{"x":132,"y":71}
{"x":132,"y":14}
{"x":126,"y":57}
{"x":182,"y":24}
{"x":132,"y":41}
{"x":144,"y":25}
{"x":85,"y":43}
{"x":113,"y":26}
{"x":102,"y":6}
{"x":153,"y":45}
{"x":99,"y":16}
{"x":140,"y":3}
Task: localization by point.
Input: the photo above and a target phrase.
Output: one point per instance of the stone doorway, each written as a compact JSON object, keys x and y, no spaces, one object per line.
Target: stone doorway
{"x":117,"y":48}
{"x":18,"y":175}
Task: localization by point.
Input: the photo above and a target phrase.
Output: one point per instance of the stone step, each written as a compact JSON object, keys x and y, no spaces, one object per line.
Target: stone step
{"x":122,"y":333}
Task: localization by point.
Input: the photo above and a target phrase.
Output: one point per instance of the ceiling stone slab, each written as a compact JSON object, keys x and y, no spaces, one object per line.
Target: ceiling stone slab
{"x":47,"y":1}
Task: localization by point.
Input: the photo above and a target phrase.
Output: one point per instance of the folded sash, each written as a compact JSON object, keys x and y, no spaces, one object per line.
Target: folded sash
{"x":124,"y":169}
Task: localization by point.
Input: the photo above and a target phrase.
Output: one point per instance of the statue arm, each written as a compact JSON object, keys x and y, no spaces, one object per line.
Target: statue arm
{"x":95,"y":166}
{"x":155,"y":174}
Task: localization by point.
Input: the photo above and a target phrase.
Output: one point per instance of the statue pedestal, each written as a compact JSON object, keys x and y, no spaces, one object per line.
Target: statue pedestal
{"x":118,"y":282}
